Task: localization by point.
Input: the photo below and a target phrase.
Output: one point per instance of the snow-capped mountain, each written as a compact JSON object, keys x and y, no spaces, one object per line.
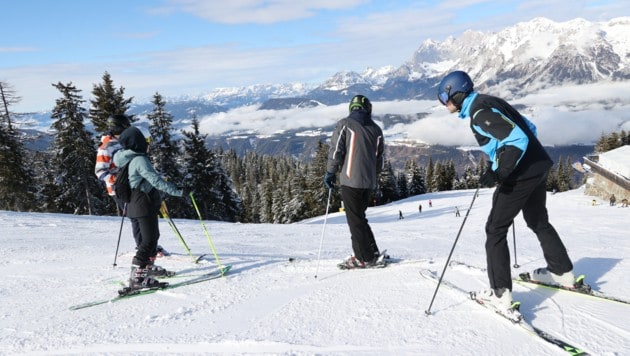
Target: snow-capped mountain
{"x":516,"y":61}
{"x":557,"y":72}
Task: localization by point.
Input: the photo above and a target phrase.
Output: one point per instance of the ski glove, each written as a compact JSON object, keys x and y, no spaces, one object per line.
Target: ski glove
{"x":489,"y":178}
{"x":330,"y":179}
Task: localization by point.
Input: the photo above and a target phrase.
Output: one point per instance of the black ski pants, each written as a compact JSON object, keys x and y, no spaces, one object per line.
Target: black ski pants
{"x":356,"y":202}
{"x":135,"y":226}
{"x":530,"y":197}
{"x":149,"y":228}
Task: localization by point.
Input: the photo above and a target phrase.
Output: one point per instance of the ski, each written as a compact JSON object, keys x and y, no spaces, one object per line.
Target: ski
{"x":166,"y":286}
{"x":522,"y":323}
{"x":581,"y":288}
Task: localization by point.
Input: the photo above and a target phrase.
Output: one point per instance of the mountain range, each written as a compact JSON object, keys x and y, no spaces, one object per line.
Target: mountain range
{"x":530,"y":59}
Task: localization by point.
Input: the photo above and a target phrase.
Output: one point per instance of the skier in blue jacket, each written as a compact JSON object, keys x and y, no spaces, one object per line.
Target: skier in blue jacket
{"x":519,"y":165}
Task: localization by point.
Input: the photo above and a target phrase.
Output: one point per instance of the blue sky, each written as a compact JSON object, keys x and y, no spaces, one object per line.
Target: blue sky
{"x":178,"y":47}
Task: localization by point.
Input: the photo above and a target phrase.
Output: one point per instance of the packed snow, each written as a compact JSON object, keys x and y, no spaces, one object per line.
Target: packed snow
{"x":278,"y":298}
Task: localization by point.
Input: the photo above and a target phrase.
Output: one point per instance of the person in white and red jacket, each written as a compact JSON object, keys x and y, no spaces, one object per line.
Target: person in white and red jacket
{"x":106,"y":170}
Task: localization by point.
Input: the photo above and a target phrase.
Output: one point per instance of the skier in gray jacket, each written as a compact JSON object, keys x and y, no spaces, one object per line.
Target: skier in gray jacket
{"x":145,"y":202}
{"x":356,"y":152}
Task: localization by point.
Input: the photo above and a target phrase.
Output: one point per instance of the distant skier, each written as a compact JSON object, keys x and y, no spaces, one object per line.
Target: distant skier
{"x":357,"y":153}
{"x":457,"y":212}
{"x":430,"y":203}
{"x":420,"y":208}
{"x":613,"y":200}
{"x":519,"y":165}
{"x":400,"y":215}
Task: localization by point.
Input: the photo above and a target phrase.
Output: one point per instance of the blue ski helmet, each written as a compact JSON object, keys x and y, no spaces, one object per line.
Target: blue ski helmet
{"x":454,"y":83}
{"x":360,"y":102}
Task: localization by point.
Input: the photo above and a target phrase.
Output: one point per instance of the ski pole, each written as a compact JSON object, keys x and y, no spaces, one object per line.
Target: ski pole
{"x":171,"y":223}
{"x":122,"y":220}
{"x":516,"y":265}
{"x":203,"y":225}
{"x":321,"y":242}
{"x":428,"y":311}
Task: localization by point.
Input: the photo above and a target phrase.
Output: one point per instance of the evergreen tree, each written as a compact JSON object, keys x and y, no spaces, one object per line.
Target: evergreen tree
{"x":79,"y":191}
{"x":387,"y":183}
{"x":468,"y":179}
{"x":429,"y":179}
{"x":317,"y":194}
{"x":107,"y":101}
{"x":552,"y":179}
{"x":446,"y":176}
{"x":204,"y":175}
{"x":415,"y":179}
{"x":438,"y":174}
{"x":562,"y":180}
{"x":401,"y":179}
{"x":164,"y":152}
{"x":8,"y":97}
{"x":16,"y":178}
{"x":613,"y":141}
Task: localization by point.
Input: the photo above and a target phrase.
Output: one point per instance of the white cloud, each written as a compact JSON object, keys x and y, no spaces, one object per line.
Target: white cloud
{"x":254,"y":11}
{"x":568,"y":115}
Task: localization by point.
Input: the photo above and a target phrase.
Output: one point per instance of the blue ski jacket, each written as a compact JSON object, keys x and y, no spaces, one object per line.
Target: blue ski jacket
{"x":507,"y":137}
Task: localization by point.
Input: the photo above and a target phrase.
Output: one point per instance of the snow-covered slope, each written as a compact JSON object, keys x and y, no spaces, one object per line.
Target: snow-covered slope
{"x":270,"y":305}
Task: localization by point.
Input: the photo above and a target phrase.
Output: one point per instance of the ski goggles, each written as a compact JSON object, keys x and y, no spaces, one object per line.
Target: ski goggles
{"x":443,"y":97}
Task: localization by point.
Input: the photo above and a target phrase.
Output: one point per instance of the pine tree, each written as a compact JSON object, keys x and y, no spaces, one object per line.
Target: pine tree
{"x":317,"y":194}
{"x":401,"y":183}
{"x":430,"y":179}
{"x":8,"y":97}
{"x":562,"y":179}
{"x":107,"y":101}
{"x":387,"y":183}
{"x":16,"y":178}
{"x":205,"y":176}
{"x":415,"y":179}
{"x":79,"y":191}
{"x":164,"y":152}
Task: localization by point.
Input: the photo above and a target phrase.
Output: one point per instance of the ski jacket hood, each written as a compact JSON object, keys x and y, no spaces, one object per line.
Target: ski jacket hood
{"x":133,"y":139}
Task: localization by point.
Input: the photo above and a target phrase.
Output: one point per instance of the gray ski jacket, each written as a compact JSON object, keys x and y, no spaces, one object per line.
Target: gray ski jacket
{"x":356,"y":151}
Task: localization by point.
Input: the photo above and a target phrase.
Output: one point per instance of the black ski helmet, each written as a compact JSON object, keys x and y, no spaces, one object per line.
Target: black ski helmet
{"x":118,"y":123}
{"x":457,"y":82}
{"x":360,"y":102}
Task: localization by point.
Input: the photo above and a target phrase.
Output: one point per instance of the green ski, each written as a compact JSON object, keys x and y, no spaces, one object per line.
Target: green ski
{"x":209,"y":276}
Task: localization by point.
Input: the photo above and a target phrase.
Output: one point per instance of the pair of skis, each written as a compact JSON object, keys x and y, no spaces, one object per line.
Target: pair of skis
{"x":126,"y":292}
{"x":521,"y":322}
{"x":136,"y":293}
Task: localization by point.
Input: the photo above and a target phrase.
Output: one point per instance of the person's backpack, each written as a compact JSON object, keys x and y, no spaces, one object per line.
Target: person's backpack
{"x":121,"y":186}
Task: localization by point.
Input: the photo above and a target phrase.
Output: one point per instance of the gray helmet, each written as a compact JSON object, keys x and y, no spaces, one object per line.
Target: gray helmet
{"x":118,"y":123}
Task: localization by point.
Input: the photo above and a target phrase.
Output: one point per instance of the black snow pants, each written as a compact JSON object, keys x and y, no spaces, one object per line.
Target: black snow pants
{"x":510,"y":198}
{"x":356,"y":202}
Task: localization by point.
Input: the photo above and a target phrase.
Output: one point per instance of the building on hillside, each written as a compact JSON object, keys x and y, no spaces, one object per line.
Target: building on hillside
{"x":609,"y":173}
